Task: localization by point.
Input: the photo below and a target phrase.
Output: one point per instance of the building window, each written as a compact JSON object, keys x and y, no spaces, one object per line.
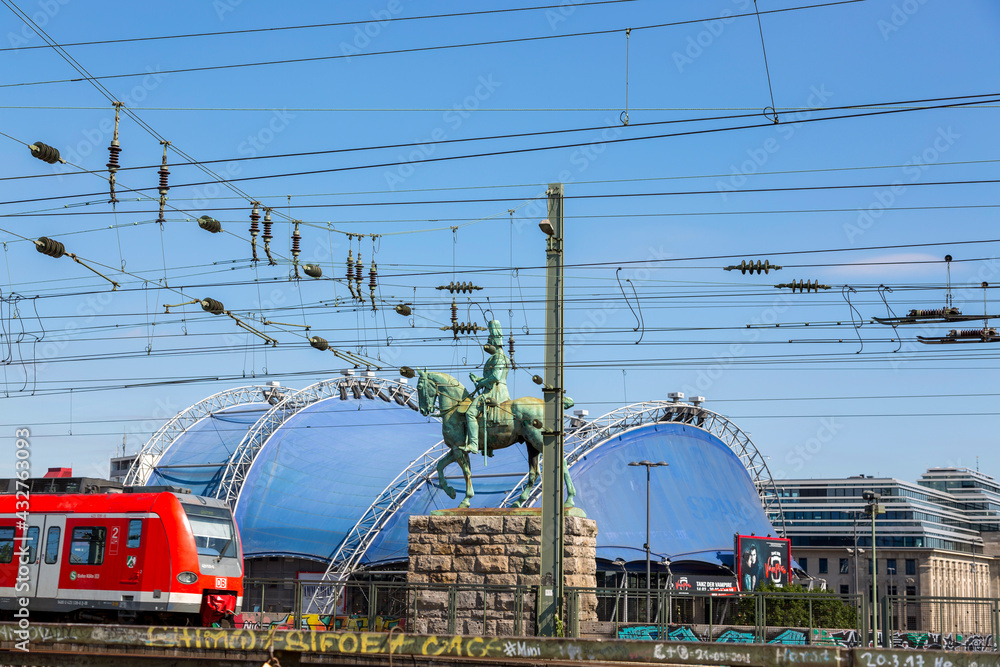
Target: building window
{"x":845,"y":589}
{"x":911,"y":590}
{"x":911,"y":622}
{"x":823,"y":568}
{"x":87,"y":545}
{"x":869,"y":566}
{"x":804,"y":562}
{"x":844,"y":567}
{"x":890,"y":589}
{"x":911,"y":566}
{"x":890,"y":566}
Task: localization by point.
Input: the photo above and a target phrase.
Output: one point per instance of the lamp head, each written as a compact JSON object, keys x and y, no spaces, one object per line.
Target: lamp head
{"x":547,"y":227}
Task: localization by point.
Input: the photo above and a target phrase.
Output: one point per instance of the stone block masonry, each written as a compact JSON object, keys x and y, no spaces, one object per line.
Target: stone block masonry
{"x":472,"y":560}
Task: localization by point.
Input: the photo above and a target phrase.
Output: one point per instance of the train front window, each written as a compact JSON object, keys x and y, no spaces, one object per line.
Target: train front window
{"x":213,"y":531}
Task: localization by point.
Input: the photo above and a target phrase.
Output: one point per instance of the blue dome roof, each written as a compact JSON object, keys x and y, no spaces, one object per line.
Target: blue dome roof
{"x":318,"y":473}
{"x":696,"y":505}
{"x":322,"y":468}
{"x":197,"y":458}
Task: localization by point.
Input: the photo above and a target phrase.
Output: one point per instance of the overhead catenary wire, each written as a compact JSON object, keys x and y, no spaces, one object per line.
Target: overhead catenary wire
{"x":882,"y":106}
{"x":422,"y":49}
{"x":618,"y":140}
{"x":375,"y":19}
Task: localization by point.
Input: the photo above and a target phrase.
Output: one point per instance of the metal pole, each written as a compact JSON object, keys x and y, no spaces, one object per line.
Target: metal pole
{"x":551,"y":590}
{"x":670,"y":591}
{"x":648,"y":580}
{"x":856,"y":589}
{"x":975,"y":588}
{"x":874,"y":579}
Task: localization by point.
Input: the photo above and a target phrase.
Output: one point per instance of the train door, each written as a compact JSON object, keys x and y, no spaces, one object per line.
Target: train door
{"x":50,"y":556}
{"x":131,"y":561}
{"x":32,"y":539}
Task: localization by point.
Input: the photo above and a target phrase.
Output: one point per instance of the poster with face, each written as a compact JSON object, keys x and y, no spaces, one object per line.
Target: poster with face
{"x":762,"y":559}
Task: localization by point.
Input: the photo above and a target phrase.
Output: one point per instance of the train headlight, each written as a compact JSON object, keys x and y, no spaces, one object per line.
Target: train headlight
{"x":187,"y":577}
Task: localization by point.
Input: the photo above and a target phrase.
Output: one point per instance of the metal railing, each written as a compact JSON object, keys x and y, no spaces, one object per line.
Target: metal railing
{"x":964,"y":624}
{"x":491,"y":610}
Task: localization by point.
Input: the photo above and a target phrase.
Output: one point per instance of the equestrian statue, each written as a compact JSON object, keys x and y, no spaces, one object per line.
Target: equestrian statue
{"x":486,"y":419}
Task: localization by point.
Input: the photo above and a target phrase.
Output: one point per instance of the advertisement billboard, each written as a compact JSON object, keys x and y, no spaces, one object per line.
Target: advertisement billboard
{"x":689,"y":584}
{"x":762,"y":559}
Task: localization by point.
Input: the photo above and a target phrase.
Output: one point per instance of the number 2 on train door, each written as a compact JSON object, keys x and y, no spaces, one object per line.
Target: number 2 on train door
{"x":113,"y":546}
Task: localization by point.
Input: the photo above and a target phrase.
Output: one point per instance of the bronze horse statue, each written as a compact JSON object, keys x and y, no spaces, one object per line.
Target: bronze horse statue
{"x":516,"y":421}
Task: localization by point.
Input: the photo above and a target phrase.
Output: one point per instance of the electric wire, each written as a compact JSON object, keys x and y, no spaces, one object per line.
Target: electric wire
{"x":420,"y":49}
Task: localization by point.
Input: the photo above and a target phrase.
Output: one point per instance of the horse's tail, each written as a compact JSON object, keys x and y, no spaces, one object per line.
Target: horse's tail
{"x":568,"y":402}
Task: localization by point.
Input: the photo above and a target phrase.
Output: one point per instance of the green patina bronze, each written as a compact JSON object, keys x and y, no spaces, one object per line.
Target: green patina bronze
{"x":487,"y":421}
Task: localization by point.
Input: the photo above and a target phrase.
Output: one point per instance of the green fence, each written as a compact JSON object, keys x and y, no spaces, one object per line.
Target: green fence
{"x":510,"y":610}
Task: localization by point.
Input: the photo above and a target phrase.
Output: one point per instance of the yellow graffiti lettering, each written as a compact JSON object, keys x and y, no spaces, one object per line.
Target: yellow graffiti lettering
{"x":396,"y":644}
{"x":244,"y":639}
{"x":476,"y":648}
{"x":432,"y":644}
{"x":371,"y":643}
{"x":186,"y":638}
{"x":216,"y":639}
{"x":294,"y":641}
{"x":348,"y":637}
{"x":455,"y":646}
{"x":327,"y":642}
{"x":494,"y":647}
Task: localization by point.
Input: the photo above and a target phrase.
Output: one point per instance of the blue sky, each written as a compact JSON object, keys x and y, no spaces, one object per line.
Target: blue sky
{"x":817,"y":401}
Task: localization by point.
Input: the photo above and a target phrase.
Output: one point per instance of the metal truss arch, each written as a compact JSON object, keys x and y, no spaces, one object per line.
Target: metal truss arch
{"x":250,"y":446}
{"x":145,"y":461}
{"x":350,"y":552}
{"x":593,"y":434}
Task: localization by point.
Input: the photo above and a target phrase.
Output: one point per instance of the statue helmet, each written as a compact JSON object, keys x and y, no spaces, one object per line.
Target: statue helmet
{"x":496,"y":331}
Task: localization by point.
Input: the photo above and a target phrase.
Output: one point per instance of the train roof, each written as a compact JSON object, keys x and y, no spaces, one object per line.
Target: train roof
{"x":66,"y":493}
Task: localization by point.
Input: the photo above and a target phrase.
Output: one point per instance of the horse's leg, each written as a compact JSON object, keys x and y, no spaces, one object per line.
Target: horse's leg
{"x":532,"y":476}
{"x":442,"y":481}
{"x":570,"y":489}
{"x":463,"y":461}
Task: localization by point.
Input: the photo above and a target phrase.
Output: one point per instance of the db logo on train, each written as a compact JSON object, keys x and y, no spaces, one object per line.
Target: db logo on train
{"x":220,"y":582}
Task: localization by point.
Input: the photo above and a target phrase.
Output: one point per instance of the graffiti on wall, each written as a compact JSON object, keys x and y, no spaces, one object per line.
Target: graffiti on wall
{"x":818,"y":637}
{"x":259,"y":620}
{"x":922,"y":640}
{"x":686,"y":633}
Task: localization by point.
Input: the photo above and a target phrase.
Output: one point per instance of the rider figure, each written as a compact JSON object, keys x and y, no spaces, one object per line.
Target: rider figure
{"x":493,"y":386}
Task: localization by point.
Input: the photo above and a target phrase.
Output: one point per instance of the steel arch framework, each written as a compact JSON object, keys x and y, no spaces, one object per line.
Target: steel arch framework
{"x":250,"y":446}
{"x":593,"y":434}
{"x":346,"y":558}
{"x":145,"y":462}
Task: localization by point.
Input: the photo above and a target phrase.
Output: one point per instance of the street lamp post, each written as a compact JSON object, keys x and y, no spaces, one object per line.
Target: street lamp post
{"x":620,"y":562}
{"x":856,"y":552}
{"x":648,"y":465}
{"x":872,"y":509}
{"x":670,"y":586}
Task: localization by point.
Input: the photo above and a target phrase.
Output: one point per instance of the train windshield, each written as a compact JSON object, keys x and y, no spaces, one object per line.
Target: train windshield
{"x":213,"y":531}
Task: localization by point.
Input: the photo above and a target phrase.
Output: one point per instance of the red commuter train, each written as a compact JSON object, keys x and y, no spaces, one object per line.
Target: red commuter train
{"x":99,"y":552}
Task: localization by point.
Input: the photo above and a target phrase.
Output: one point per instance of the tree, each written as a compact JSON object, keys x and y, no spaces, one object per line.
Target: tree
{"x":789,"y":606}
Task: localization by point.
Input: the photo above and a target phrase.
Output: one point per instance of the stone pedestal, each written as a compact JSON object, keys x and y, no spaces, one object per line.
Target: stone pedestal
{"x":485,"y":565}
